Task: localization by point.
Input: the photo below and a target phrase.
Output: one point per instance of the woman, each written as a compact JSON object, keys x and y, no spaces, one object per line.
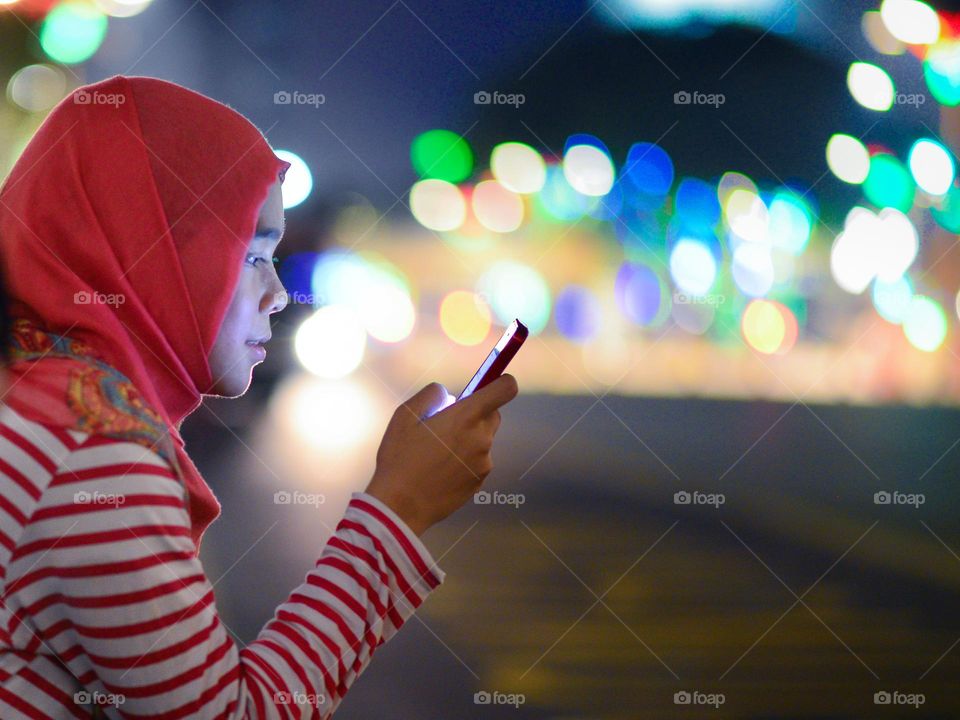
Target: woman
{"x":137,"y":232}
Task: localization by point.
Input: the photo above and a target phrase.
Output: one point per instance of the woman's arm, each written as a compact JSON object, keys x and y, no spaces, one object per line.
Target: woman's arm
{"x":105,"y":576}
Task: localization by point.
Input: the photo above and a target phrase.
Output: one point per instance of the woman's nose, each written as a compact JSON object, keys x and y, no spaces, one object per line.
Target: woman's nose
{"x":275,"y":299}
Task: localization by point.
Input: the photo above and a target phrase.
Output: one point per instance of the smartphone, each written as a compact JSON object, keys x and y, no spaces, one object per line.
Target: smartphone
{"x":497,"y":360}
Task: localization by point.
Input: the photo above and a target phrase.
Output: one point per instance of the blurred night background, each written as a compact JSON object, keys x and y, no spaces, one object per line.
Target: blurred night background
{"x":731,"y":227}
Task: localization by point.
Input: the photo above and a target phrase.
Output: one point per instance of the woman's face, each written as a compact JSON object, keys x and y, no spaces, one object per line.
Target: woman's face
{"x":259,"y":293}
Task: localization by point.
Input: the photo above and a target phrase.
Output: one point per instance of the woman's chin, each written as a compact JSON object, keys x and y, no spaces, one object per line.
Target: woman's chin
{"x":232,"y":386}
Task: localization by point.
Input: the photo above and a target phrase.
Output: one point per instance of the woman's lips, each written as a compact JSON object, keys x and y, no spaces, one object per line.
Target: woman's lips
{"x":259,"y":350}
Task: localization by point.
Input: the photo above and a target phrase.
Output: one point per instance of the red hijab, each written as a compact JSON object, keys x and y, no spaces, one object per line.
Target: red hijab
{"x":123,"y":228}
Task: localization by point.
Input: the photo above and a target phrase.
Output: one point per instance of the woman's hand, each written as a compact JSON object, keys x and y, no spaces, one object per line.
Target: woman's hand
{"x":433,"y":457}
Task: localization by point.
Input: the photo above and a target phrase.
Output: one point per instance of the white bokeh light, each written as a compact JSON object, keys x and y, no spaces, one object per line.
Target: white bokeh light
{"x":932,"y":166}
{"x":298,"y":182}
{"x":909,"y":21}
{"x":693,"y":267}
{"x":848,"y":158}
{"x":588,"y":169}
{"x":331,"y":342}
{"x":870,"y":86}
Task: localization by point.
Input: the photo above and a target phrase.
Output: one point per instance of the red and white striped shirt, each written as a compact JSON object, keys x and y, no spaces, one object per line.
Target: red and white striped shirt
{"x":105,"y":601}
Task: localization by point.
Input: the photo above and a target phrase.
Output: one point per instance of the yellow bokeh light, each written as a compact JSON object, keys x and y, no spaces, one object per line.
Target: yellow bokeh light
{"x":763,"y":326}
{"x":465,"y":317}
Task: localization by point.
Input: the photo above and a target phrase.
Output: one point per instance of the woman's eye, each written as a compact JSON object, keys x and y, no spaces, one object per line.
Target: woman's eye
{"x":253,"y":262}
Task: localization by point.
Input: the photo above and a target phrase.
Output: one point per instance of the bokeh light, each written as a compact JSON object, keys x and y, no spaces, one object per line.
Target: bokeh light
{"x":518,"y":167}
{"x":852,"y":257}
{"x":377,"y":293}
{"x":895,"y":244}
{"x":560,"y":201}
{"x":747,"y":216}
{"x":123,"y":8}
{"x":790,"y":222}
{"x":333,"y":416}
{"x":495,"y":207}
{"x":932,"y":166}
{"x":948,"y":214}
{"x":331,"y":342}
{"x":876,"y":33}
{"x":577,"y":313}
{"x":889,"y":183}
{"x":941,"y":70}
{"x":338,"y":276}
{"x":871,"y":246}
{"x":696,"y":204}
{"x":769,"y":327}
{"x":892,"y":299}
{"x":387,"y":312}
{"x":910,"y":21}
{"x":752,"y":269}
{"x":438,"y":204}
{"x":588,"y":169}
{"x":848,"y":158}
{"x":638,"y":293}
{"x":72,"y":32}
{"x":693,"y":267}
{"x":870,"y":86}
{"x":296,"y":273}
{"x":465,"y":317}
{"x":441,"y":154}
{"x":925,"y":324}
{"x":298,"y":181}
{"x":515,"y":290}
{"x":648,"y":173}
{"x":730,"y":182}
{"x":36,"y":88}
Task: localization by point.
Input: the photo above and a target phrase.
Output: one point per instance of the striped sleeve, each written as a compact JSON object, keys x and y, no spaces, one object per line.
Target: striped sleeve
{"x":105,"y":576}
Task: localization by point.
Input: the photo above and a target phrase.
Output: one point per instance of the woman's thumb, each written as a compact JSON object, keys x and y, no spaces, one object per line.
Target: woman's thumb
{"x":430,"y":400}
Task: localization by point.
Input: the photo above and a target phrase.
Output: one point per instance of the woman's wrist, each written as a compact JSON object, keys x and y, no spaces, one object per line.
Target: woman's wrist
{"x":404,"y":508}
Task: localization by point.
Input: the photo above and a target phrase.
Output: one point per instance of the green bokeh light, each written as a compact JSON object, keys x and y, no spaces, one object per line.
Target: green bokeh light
{"x":892,"y":299}
{"x":443,"y":155}
{"x":72,"y":32}
{"x":889,"y":184}
{"x":925,"y":324}
{"x":515,"y":290}
{"x":948,"y":216}
{"x":790,"y":222}
{"x":941,"y":69}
